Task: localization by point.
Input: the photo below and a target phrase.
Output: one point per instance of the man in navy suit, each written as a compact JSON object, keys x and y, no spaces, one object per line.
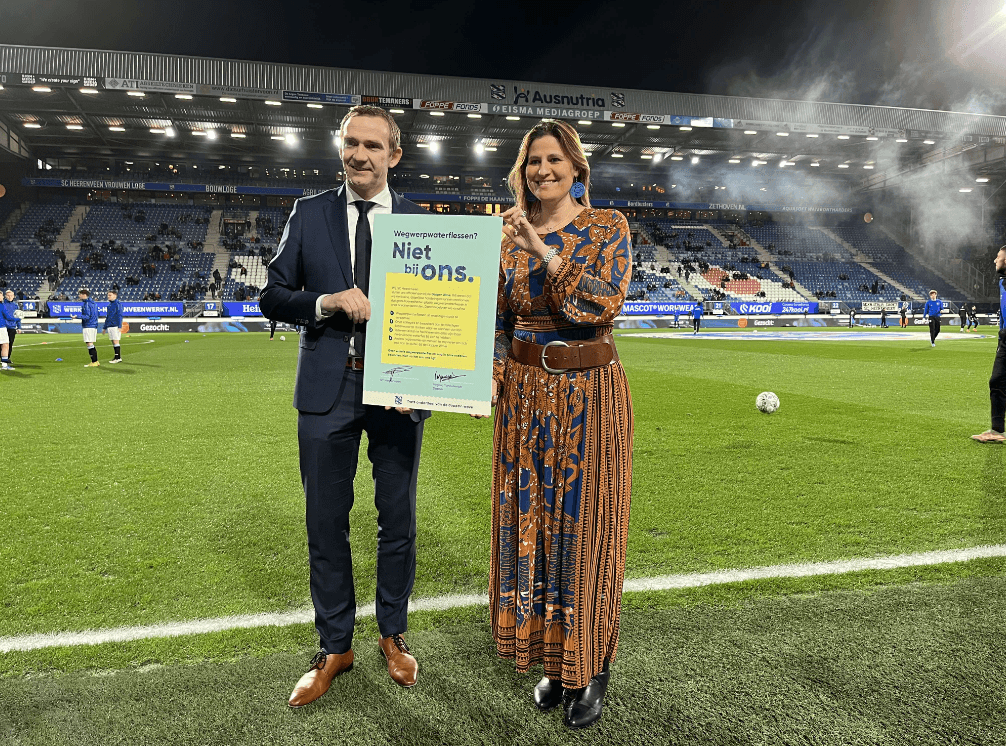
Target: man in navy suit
{"x":319,"y":280}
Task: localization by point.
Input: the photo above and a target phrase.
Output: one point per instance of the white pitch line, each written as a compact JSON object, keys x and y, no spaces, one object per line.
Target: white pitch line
{"x":456,"y":601}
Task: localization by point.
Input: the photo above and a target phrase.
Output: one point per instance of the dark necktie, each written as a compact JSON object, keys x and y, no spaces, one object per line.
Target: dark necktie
{"x":361,"y":270}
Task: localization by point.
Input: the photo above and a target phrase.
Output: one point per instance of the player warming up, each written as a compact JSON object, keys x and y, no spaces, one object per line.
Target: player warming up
{"x":997,"y":383}
{"x":697,"y":317}
{"x":932,"y":311}
{"x":113,"y":325}
{"x":7,"y":321}
{"x":89,"y":322}
{"x":12,"y":327}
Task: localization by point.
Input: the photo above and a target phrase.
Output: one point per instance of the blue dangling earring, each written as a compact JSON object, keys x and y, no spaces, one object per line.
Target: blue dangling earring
{"x":577,"y":190}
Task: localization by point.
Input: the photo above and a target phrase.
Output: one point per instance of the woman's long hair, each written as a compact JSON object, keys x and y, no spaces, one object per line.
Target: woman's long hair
{"x":569,"y":142}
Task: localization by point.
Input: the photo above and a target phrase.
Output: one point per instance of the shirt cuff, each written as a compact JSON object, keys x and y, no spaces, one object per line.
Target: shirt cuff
{"x":319,"y":314}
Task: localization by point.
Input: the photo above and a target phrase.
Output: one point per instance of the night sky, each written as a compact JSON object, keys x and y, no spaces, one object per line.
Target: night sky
{"x":894,"y":52}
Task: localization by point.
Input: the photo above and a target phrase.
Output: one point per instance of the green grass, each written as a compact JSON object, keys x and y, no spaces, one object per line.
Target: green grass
{"x":166,"y":488}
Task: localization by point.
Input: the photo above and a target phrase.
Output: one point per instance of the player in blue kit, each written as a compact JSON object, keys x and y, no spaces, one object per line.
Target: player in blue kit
{"x":12,"y":327}
{"x":997,"y":383}
{"x":696,"y":317}
{"x":932,"y":311}
{"x":113,"y":325}
{"x":8,"y":319}
{"x":89,"y":322}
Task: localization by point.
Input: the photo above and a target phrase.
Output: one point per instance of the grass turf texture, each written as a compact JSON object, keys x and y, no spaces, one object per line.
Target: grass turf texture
{"x":166,"y":488}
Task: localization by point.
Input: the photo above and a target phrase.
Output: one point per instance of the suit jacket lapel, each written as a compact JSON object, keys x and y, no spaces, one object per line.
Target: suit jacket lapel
{"x":338,"y":229}
{"x":397,"y":202}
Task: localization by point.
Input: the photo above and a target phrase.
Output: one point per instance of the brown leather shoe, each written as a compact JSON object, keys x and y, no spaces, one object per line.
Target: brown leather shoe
{"x":324,"y":668}
{"x":402,"y":666}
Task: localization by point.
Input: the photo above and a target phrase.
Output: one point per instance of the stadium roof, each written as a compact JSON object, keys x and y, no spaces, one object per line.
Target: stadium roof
{"x":94,"y":106}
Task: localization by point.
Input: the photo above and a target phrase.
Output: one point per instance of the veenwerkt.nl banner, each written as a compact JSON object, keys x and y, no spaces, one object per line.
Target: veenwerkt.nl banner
{"x":129,"y":308}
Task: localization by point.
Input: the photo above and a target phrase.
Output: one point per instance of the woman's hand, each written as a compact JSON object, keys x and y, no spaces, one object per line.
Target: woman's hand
{"x":519,"y":228}
{"x":484,"y":416}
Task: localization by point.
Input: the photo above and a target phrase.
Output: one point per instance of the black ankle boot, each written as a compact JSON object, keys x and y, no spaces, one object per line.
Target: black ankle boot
{"x":548,"y":694}
{"x":585,"y":704}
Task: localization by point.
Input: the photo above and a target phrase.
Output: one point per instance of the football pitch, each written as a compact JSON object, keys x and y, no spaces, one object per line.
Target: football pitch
{"x":165,"y":490}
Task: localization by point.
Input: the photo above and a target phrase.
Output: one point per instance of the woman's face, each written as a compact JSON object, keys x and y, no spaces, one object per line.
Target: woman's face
{"x":550,"y":174}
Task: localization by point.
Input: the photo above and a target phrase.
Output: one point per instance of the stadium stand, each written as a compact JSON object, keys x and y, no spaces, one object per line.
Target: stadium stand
{"x":40,"y":225}
{"x":140,"y":225}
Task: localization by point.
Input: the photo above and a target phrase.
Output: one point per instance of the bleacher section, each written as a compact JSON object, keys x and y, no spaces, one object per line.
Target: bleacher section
{"x":23,"y":270}
{"x":120,"y":266}
{"x":39,"y":225}
{"x":256,"y":275}
{"x":132,"y":224}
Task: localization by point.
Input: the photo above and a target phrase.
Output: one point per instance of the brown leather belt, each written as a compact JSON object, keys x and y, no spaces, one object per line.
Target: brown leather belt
{"x":356,"y":363}
{"x":559,"y":357}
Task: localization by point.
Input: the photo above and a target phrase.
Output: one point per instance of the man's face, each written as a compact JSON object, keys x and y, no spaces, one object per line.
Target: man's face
{"x":1000,"y":262}
{"x":367,"y":154}
{"x":9,"y":295}
{"x":111,"y":297}
{"x":81,"y":296}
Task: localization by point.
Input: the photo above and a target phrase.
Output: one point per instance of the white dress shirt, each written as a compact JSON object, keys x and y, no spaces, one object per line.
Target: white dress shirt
{"x":382,"y":206}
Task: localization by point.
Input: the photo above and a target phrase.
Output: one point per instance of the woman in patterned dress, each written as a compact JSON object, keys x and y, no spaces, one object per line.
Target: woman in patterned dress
{"x":562,"y":468}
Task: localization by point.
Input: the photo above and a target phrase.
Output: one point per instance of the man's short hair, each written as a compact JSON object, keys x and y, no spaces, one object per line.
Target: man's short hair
{"x":365,"y":110}
{"x":114,"y":292}
{"x":933,"y":292}
{"x":84,"y":291}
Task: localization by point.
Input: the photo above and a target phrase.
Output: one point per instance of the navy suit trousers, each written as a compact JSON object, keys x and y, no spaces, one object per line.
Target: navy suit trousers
{"x":329,"y":452}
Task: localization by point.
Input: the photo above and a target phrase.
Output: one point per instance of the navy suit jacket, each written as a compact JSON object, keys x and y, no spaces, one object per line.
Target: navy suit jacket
{"x":313,"y":259}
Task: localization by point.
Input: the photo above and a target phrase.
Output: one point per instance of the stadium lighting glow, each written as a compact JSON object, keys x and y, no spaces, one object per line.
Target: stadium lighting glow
{"x":734,"y":160}
{"x":199,"y":133}
{"x":901,"y":139}
{"x":115,"y":128}
{"x":156,"y":131}
{"x":315,"y":106}
{"x":750,"y":132}
{"x":136,"y":94}
{"x":220,"y":168}
{"x":782,"y":134}
{"x":437,"y":114}
{"x":211,"y":134}
{"x":583,"y":122}
{"x":677,"y":158}
{"x":270,"y":102}
{"x":228,"y":100}
{"x":291,"y":139}
{"x":685,"y":129}
{"x":424,"y":176}
{"x":868,"y":167}
{"x":929,"y":142}
{"x":982,"y":180}
{"x":434,"y":147}
{"x":170,"y":132}
{"x":618,"y":124}
{"x":89,"y":91}
{"x":474,"y":115}
{"x":815,"y":164}
{"x":513,"y":119}
{"x":653,"y":126}
{"x":278,"y":137}
{"x":871,"y":137}
{"x":239,"y":135}
{"x":479,"y":148}
{"x":75,"y":126}
{"x":41,"y":89}
{"x":646,"y":157}
{"x":966,"y":190}
{"x":183,"y":96}
{"x":1,"y":87}
{"x":617,"y":155}
{"x":490,"y":150}
{"x":843,"y":165}
{"x":843,"y":137}
{"x":397,"y":111}
{"x":811,"y":134}
{"x":695,"y":159}
{"x":657,"y":157}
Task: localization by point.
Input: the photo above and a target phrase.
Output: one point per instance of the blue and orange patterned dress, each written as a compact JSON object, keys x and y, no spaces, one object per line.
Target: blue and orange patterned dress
{"x":562,"y":470}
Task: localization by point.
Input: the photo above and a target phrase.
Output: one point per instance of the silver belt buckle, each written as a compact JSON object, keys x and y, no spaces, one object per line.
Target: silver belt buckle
{"x":555,"y":343}
{"x":353,"y":359}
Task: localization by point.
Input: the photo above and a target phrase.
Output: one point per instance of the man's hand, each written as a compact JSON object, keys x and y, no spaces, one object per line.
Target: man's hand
{"x":351,"y":302}
{"x":492,"y":401}
{"x":401,"y":410}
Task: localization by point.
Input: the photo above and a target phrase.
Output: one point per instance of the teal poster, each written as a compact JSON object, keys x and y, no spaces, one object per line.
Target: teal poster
{"x":433,"y":285}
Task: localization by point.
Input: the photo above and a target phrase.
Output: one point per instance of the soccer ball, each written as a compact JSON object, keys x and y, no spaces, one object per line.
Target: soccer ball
{"x":19,"y":314}
{"x":767,"y":402}
{"x":282,"y":338}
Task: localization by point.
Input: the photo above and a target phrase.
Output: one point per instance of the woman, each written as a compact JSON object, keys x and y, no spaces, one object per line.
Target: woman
{"x":563,"y":436}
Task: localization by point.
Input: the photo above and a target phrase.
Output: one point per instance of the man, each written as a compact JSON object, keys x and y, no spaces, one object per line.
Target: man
{"x":932,"y":311}
{"x":883,"y":318}
{"x":89,"y":324}
{"x":973,"y":318}
{"x":320,"y":279}
{"x":904,"y":315}
{"x":7,"y":318}
{"x":696,"y":317}
{"x":113,"y":325}
{"x":12,"y":326}
{"x":997,"y":383}
{"x":852,"y":317}
{"x":963,"y":313}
